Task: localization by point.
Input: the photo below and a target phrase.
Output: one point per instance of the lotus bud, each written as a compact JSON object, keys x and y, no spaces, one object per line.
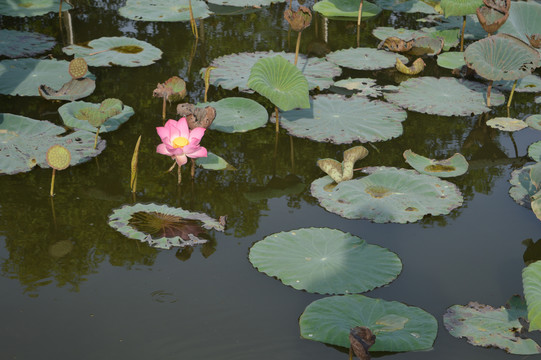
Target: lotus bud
{"x":300,"y":19}
{"x":535,"y":40}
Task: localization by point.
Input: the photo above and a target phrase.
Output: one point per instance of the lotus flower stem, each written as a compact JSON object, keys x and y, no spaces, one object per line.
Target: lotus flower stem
{"x":60,"y":10}
{"x":179,"y":173}
{"x":359,"y":24}
{"x":192,"y":170}
{"x":193,"y":24}
{"x":350,"y":353}
{"x":512,"y":92}
{"x":96,"y":137}
{"x":462,"y":34}
{"x":488,"y":92}
{"x":277,"y":119}
{"x":52,"y":182}
{"x":297,"y":47}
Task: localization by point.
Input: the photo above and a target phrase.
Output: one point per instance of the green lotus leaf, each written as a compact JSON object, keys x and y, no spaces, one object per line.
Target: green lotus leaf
{"x":364,"y":86}
{"x":506,"y":124}
{"x":444,"y":96}
{"x":450,"y":36}
{"x":534,"y":150}
{"x":213,"y":162}
{"x":337,"y":119}
{"x":398,"y":327}
{"x":523,"y":20}
{"x":528,"y":84}
{"x":21,"y":8}
{"x":74,"y":89}
{"x":456,"y":165}
{"x":523,"y":188}
{"x":460,"y":7}
{"x":365,"y":58}
{"x":451,"y":60}
{"x":276,"y":188}
{"x":121,"y":51}
{"x":501,"y":57}
{"x":486,"y":326}
{"x":162,"y":226}
{"x":281,"y":82}
{"x":232,"y":71}
{"x":237,"y":114}
{"x":244,"y":3}
{"x":225,"y":10}
{"x":407,"y":6}
{"x":426,"y":45}
{"x":534,"y":121}
{"x":24,"y":76}
{"x":538,"y":100}
{"x":24,"y":143}
{"x":324,"y":261}
{"x":16,"y":44}
{"x":531,"y":280}
{"x":388,"y":195}
{"x":163,"y":10}
{"x":346,"y":8}
{"x":73,"y":117}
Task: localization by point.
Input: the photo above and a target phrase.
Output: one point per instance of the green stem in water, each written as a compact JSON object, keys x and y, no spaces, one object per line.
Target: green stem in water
{"x":96,"y":137}
{"x":512,"y":92}
{"x":297,"y":47}
{"x":52,"y":182}
{"x":277,"y":119}
{"x":462,"y":34}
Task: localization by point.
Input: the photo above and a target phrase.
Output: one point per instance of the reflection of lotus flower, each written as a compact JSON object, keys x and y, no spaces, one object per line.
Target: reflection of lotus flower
{"x":179,"y":142}
{"x":300,"y":19}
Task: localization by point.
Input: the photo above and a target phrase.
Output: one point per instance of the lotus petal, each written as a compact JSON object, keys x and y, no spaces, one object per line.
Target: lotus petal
{"x":346,"y":8}
{"x":444,"y":96}
{"x":244,"y":3}
{"x":456,"y":165}
{"x":236,"y":114}
{"x":528,"y":84}
{"x":334,"y":118}
{"x":523,"y":187}
{"x":523,"y":20}
{"x":16,"y":44}
{"x":324,"y":261}
{"x":534,"y":121}
{"x":121,"y":51}
{"x":213,"y":162}
{"x":451,"y":60}
{"x":365,"y":58}
{"x":506,"y":124}
{"x":22,"y":8}
{"x":163,"y":10}
{"x":460,"y":7}
{"x":398,"y":327}
{"x":531,"y":280}
{"x":388,"y":195}
{"x":407,"y":6}
{"x":232,"y":71}
{"x":73,"y":117}
{"x":486,"y":326}
{"x":74,"y":89}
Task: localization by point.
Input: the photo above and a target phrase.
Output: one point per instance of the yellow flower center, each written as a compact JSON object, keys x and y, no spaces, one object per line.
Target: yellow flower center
{"x":180,"y":142}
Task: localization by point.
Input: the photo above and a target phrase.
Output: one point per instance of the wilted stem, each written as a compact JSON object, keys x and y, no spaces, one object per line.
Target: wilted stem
{"x":96,"y":137}
{"x":297,"y":47}
{"x":462,"y":34}
{"x":359,"y":24}
{"x":488,"y":92}
{"x":512,"y":92}
{"x":277,"y":119}
{"x":52,"y":182}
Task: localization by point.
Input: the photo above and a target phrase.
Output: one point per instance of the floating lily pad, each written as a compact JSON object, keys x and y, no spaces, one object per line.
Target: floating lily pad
{"x":365,"y":58}
{"x":74,"y":89}
{"x":163,"y":10}
{"x":460,"y":98}
{"x":121,"y":51}
{"x":24,"y":76}
{"x":162,"y":226}
{"x":483,"y":325}
{"x":21,"y":8}
{"x":534,"y":151}
{"x":456,"y":165}
{"x":24,"y":143}
{"x":459,"y":7}
{"x":506,"y":124}
{"x":450,"y":36}
{"x":334,"y":118}
{"x":346,"y":8}
{"x":244,"y":3}
{"x":74,"y":118}
{"x":528,"y":84}
{"x":531,"y":280}
{"x":388,"y":195}
{"x":232,"y":71}
{"x":363,"y":87}
{"x":325,"y":261}
{"x":15,"y":44}
{"x":397,"y":327}
{"x":426,"y":45}
{"x":523,"y":20}
{"x":474,"y":30}
{"x":213,"y":162}
{"x":407,"y":6}
{"x":236,"y":114}
{"x":451,"y":60}
{"x":534,"y":121}
{"x":523,"y":187}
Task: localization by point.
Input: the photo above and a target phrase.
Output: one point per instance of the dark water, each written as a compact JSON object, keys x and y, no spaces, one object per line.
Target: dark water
{"x":111,"y":297}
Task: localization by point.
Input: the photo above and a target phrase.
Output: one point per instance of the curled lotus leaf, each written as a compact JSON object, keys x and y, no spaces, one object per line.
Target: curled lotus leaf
{"x":197,"y":116}
{"x":75,"y":115}
{"x":337,"y":119}
{"x":398,"y":327}
{"x":395,"y":44}
{"x":507,"y":124}
{"x":300,"y":19}
{"x":500,"y":5}
{"x":415,"y":68}
{"x":531,"y":280}
{"x":237,"y":114}
{"x":162,"y":226}
{"x":407,"y":6}
{"x":535,"y":40}
{"x":460,"y":7}
{"x":534,"y":121}
{"x":173,"y":89}
{"x":491,"y":19}
{"x":483,"y":325}
{"x":164,"y":10}
{"x":501,"y":57}
{"x":451,"y":60}
{"x":426,"y":45}
{"x":524,"y":186}
{"x":58,"y":157}
{"x":121,"y":51}
{"x":450,"y":36}
{"x":456,"y":165}
{"x":16,"y":44}
{"x":243,"y":3}
{"x":343,"y":171}
{"x":528,"y":84}
{"x":232,"y":71}
{"x":324,"y":261}
{"x":346,"y":8}
{"x":365,"y":58}
{"x":23,"y":8}
{"x":388,"y":195}
{"x":444,"y":96}
{"x":523,"y":20}
{"x":74,"y":89}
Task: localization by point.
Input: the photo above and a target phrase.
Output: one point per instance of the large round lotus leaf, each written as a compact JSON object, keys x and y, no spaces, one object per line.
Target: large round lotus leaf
{"x":523,"y":20}
{"x":531,"y":280}
{"x":24,"y":76}
{"x":236,"y":114}
{"x":24,"y":143}
{"x":534,"y":151}
{"x":164,"y":10}
{"x":232,"y":71}
{"x":337,"y":119}
{"x":528,"y":84}
{"x":346,"y":8}
{"x":456,"y":165}
{"x":459,"y":7}
{"x":365,"y":58}
{"x":450,"y":36}
{"x":460,"y":98}
{"x":244,"y":3}
{"x":486,"y":326}
{"x":22,"y":8}
{"x":534,"y":121}
{"x":15,"y":44}
{"x":362,"y":87}
{"x":451,"y":59}
{"x":281,"y":82}
{"x":407,"y":6}
{"x":398,"y":327}
{"x":501,"y":57}
{"x":325,"y":261}
{"x":506,"y":124}
{"x":162,"y":226}
{"x":523,"y":186}
{"x":388,"y":195}
{"x":122,"y":51}
{"x":73,"y":117}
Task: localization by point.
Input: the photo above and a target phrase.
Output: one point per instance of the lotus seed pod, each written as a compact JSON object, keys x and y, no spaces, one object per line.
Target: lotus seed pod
{"x":78,"y":68}
{"x":58,"y":157}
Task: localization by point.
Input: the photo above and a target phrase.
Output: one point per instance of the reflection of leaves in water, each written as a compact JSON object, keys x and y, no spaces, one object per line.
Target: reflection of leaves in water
{"x":532,"y":252}
{"x":160,"y":225}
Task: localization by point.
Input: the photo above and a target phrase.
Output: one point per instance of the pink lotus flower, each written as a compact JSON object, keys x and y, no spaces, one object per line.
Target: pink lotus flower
{"x":179,"y":142}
